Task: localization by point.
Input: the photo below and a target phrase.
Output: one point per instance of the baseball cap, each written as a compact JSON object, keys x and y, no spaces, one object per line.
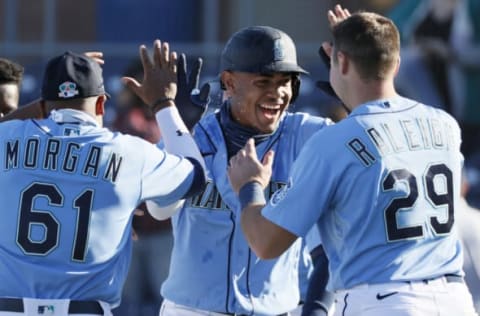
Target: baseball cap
{"x":72,"y":76}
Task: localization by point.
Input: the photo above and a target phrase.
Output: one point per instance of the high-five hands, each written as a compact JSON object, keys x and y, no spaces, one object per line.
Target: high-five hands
{"x":191,"y":102}
{"x":335,"y":16}
{"x":159,"y":85}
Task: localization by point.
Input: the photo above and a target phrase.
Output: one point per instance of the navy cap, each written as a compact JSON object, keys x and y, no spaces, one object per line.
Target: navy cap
{"x":72,"y":76}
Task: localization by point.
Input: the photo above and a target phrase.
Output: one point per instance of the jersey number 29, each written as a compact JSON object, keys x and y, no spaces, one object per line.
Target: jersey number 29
{"x":404,"y":203}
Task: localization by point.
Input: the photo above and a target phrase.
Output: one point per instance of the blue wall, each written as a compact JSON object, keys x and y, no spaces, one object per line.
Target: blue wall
{"x":145,"y":20}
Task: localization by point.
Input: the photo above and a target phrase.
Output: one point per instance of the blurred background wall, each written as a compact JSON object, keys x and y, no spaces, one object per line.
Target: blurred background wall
{"x":32,"y":31}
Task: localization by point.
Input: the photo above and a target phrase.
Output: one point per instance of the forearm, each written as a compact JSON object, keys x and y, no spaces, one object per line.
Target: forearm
{"x":179,"y":141}
{"x":33,"y":110}
{"x":251,"y":221}
{"x":267,"y":239}
{"x":175,"y":134}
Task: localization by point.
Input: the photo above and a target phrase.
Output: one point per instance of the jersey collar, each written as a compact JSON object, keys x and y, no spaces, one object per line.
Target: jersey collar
{"x":394,"y":104}
{"x":70,"y":116}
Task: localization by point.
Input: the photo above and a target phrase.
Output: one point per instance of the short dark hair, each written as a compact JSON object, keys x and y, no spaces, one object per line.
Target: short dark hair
{"x":371,"y":40}
{"x":10,"y":72}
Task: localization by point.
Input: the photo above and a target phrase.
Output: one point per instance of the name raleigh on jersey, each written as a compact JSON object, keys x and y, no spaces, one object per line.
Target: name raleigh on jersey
{"x":57,"y":155}
{"x":419,"y":134}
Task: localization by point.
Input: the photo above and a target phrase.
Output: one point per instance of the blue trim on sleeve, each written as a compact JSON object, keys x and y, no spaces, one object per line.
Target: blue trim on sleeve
{"x":199,"y":179}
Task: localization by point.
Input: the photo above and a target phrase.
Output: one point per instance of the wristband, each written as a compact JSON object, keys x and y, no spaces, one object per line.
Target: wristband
{"x":251,"y":193}
{"x":155,"y":105}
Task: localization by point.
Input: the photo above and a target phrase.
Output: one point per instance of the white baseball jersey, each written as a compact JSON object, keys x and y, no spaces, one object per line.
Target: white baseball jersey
{"x":69,"y":188}
{"x":383,"y":185}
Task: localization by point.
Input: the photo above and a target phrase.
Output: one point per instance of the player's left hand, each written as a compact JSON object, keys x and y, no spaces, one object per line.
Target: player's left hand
{"x":191,"y":102}
{"x":245,"y":167}
{"x":159,"y":76}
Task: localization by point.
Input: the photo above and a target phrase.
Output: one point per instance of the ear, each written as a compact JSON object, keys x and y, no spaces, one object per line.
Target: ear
{"x":397,"y":67}
{"x":227,"y":80}
{"x":100,"y":105}
{"x":343,"y":62}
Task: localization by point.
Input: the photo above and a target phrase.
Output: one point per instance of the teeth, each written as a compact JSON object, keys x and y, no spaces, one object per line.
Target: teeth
{"x":270,"y":107}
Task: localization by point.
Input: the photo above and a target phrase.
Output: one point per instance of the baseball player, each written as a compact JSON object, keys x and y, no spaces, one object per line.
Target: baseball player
{"x":70,"y":187}
{"x":212,"y":270}
{"x":383,"y":192}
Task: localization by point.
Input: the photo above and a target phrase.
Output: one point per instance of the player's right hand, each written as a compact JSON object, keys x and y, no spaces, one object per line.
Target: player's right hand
{"x":245,"y":167}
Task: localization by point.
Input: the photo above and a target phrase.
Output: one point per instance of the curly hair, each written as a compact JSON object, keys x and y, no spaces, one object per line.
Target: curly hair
{"x":10,"y":72}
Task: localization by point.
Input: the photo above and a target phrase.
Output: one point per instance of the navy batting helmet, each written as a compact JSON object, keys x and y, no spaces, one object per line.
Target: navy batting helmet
{"x":262,"y":49}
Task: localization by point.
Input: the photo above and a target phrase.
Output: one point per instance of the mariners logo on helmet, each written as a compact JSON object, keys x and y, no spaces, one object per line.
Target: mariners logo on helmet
{"x":278,"y":51}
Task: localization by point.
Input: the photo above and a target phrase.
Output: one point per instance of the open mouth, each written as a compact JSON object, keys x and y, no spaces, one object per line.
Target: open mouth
{"x":269,"y":110}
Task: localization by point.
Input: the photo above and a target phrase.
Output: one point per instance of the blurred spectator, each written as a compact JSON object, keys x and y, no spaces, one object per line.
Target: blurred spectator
{"x":467,"y":219}
{"x":11,"y":75}
{"x":472,"y":171}
{"x":441,"y":59}
{"x":151,"y":251}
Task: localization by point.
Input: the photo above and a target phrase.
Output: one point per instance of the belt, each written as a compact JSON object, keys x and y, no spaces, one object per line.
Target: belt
{"x":449,"y":278}
{"x":75,"y":307}
{"x":284,"y":314}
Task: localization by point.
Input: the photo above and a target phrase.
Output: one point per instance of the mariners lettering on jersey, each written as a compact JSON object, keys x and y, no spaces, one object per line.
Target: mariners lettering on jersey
{"x":211,"y":199}
{"x":56,"y":155}
{"x":403,"y":135}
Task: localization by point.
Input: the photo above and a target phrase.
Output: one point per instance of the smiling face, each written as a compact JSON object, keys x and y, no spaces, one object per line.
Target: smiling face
{"x":258,"y":100}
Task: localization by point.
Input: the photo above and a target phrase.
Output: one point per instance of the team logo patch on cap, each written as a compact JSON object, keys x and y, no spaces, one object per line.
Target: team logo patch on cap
{"x":67,"y":89}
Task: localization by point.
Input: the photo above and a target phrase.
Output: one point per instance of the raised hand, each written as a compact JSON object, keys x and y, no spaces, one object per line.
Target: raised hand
{"x":191,"y":102}
{"x":337,"y":15}
{"x":159,"y":83}
{"x":96,"y":55}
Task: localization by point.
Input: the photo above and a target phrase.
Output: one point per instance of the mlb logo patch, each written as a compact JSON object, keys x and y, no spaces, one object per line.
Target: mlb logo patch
{"x":71,"y":132}
{"x":46,"y":310}
{"x":67,"y":90}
